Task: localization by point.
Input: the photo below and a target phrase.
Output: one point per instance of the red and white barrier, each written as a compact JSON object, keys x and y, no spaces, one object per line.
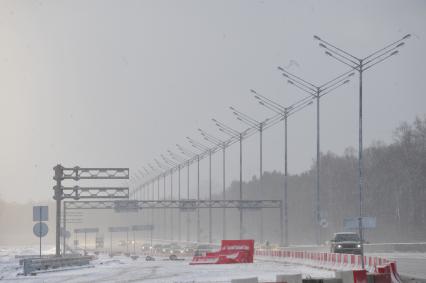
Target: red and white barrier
{"x":335,"y":261}
{"x":231,"y":251}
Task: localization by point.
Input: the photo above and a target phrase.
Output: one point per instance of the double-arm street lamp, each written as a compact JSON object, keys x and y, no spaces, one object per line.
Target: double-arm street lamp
{"x":360,"y":65}
{"x":190,"y":155}
{"x":222,"y":144}
{"x":179,"y":160}
{"x":173,"y":165}
{"x":285,"y":112}
{"x":317,"y":91}
{"x":204,"y":148}
{"x":253,"y":123}
{"x":165,"y":169}
{"x":239,"y":135}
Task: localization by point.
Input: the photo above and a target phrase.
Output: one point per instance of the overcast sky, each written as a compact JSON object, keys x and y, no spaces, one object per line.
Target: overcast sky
{"x":117,"y":83}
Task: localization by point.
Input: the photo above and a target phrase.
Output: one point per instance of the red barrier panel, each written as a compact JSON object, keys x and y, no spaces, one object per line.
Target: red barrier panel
{"x":231,"y":251}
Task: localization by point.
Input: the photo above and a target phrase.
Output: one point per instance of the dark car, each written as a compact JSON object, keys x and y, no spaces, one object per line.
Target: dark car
{"x":346,"y":242}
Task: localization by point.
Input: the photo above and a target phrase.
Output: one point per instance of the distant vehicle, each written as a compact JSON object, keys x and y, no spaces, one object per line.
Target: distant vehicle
{"x":201,"y":250}
{"x":346,"y":242}
{"x":149,"y":258}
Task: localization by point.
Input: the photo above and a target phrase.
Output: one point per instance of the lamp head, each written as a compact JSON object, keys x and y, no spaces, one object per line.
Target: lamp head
{"x":322,"y":45}
{"x":280,"y":68}
{"x":285,"y":75}
{"x":290,"y":82}
{"x":253,"y":91}
{"x":316,"y":37}
{"x":407,"y":36}
{"x":347,"y":81}
{"x":401,"y":44}
{"x":394,"y":53}
{"x":328,"y":53}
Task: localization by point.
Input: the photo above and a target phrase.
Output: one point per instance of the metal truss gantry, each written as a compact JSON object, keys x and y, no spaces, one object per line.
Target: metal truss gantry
{"x":76,"y":193}
{"x":131,"y":205}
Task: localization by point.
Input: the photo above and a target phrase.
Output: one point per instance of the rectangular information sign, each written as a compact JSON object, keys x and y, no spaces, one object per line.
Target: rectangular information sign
{"x":351,"y":223}
{"x":126,"y":206}
{"x":142,"y":227}
{"x":40,"y":213}
{"x":187,"y":204}
{"x":118,"y":229}
{"x":86,"y":230}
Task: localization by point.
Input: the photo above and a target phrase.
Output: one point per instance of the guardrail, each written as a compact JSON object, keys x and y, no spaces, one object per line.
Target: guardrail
{"x":34,"y":265}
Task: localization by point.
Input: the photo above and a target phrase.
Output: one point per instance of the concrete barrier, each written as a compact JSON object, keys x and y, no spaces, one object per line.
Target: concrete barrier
{"x":289,"y":278}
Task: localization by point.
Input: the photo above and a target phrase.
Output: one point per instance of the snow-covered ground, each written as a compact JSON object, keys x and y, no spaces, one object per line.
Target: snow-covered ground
{"x":123,"y":269}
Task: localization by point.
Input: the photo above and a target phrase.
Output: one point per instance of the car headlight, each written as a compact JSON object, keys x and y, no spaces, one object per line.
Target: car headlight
{"x":358,"y":246}
{"x":164,"y":250}
{"x":339,"y":246}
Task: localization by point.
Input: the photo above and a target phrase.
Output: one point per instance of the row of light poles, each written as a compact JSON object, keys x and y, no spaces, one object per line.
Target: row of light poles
{"x":315,"y":92}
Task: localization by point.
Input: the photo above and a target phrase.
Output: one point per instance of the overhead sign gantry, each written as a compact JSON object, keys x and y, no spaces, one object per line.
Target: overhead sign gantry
{"x":76,"y":193}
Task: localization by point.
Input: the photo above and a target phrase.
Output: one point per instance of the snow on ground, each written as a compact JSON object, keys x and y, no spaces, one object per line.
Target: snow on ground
{"x":124,"y":269}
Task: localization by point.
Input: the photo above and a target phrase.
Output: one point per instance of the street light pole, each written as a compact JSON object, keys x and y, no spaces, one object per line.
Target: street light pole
{"x":179,"y":160}
{"x":217,"y":142}
{"x":239,"y":135}
{"x":251,"y":122}
{"x":190,"y":155}
{"x":204,"y":148}
{"x":317,"y":92}
{"x":285,"y":112}
{"x":361,"y":65}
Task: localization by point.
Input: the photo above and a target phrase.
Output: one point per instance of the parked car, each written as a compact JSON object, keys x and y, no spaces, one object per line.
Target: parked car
{"x":346,"y":242}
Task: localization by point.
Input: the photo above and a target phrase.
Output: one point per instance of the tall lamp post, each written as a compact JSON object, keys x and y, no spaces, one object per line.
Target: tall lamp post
{"x":190,"y":155}
{"x":239,"y":135}
{"x":204,"y":148}
{"x":285,"y":112}
{"x":180,"y":160}
{"x":173,"y":165}
{"x":219,"y":143}
{"x":317,"y":91}
{"x":161,"y":166}
{"x":251,"y":122}
{"x":360,"y":65}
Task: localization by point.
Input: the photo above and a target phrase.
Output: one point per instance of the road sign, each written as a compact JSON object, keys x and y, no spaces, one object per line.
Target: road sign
{"x":323,"y":223}
{"x":352,"y":223}
{"x":187,"y":204}
{"x":118,"y":229}
{"x":40,"y":213}
{"x":67,"y":233}
{"x":40,"y":229}
{"x":99,"y":242}
{"x":126,"y":206}
{"x":86,"y":230}
{"x":142,"y":227}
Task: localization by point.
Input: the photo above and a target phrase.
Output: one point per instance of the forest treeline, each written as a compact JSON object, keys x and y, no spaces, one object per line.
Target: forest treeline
{"x":394,"y":193}
{"x":394,"y":190}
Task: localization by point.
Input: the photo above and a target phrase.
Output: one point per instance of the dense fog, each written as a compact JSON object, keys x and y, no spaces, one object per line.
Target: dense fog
{"x":394,"y":193}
